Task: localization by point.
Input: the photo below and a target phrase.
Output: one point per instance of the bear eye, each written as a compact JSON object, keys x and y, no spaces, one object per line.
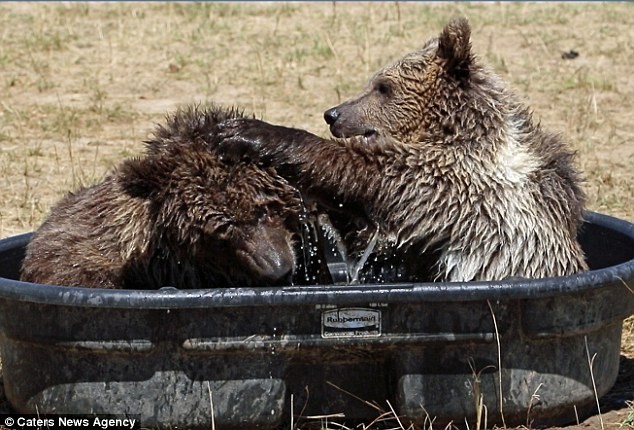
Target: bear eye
{"x":384,"y":88}
{"x":220,"y":229}
{"x":261,"y":214}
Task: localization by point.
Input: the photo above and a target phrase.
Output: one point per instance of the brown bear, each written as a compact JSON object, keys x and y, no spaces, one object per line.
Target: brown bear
{"x":178,"y":216}
{"x":442,"y":158}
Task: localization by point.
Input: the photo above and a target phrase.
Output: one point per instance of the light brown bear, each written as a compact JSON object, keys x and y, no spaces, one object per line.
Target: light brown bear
{"x":442,"y":158}
{"x":178,"y":216}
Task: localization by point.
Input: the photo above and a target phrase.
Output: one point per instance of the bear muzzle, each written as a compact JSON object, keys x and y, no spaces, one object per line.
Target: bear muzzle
{"x":343,"y":124}
{"x":268,"y":256}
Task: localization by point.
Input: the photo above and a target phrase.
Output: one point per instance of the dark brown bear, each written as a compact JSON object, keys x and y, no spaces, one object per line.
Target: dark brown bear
{"x":442,"y":158}
{"x":178,"y":216}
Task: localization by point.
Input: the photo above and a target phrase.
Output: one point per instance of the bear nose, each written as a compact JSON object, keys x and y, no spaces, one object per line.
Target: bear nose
{"x":331,"y":116}
{"x":280,"y":271}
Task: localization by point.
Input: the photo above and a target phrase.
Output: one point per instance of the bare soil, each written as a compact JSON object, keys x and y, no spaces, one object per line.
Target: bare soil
{"x":83,"y":84}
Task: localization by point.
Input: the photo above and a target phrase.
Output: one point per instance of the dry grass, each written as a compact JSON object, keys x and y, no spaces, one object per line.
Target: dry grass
{"x":83,"y":83}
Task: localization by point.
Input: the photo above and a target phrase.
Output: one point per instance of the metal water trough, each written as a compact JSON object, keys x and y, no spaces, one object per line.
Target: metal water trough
{"x":431,"y":350}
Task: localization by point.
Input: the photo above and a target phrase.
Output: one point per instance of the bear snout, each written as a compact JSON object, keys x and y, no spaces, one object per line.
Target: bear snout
{"x":268,"y":255}
{"x":331,"y":115}
{"x":271,"y":266}
{"x":345,"y":121}
{"x":277,"y":268}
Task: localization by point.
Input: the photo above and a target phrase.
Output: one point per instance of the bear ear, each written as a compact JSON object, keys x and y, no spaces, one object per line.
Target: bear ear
{"x":454,"y":47}
{"x":141,"y":177}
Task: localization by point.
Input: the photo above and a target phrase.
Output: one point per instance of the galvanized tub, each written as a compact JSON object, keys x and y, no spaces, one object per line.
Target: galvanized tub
{"x":434,"y":351}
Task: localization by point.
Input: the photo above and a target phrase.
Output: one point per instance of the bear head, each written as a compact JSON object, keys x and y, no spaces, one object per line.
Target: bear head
{"x":230,"y":219}
{"x":429,"y":94}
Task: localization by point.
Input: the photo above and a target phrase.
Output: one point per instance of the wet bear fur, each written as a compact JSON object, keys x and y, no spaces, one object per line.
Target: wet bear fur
{"x":178,"y":216}
{"x":446,"y":164}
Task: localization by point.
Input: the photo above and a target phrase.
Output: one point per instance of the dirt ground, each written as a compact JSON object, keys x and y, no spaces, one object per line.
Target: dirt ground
{"x":82,"y":85}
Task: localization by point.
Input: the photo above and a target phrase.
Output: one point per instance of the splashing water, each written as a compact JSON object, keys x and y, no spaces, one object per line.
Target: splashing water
{"x":324,"y":258}
{"x":356,"y":268}
{"x":339,"y":268}
{"x":309,"y":261}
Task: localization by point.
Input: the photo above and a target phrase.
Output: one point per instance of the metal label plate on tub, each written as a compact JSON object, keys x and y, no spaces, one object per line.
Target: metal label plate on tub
{"x":350,"y":322}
